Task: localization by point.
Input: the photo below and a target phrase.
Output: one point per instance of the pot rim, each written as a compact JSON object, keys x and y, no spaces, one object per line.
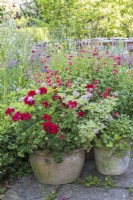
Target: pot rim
{"x":48,"y":153}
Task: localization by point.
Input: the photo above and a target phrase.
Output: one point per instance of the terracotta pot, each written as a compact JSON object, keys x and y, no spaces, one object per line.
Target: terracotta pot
{"x":47,"y":171}
{"x":110,"y":163}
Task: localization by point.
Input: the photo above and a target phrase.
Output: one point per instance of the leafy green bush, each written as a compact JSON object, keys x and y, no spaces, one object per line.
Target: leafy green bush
{"x":10,"y":164}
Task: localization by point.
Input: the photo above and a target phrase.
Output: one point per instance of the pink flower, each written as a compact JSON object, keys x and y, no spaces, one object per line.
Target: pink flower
{"x":45,"y":103}
{"x":9,"y":111}
{"x":47,"y":117}
{"x":16,"y":116}
{"x":96,"y":82}
{"x":26,"y":116}
{"x":69,"y":63}
{"x":72,"y":104}
{"x":115,"y":71}
{"x":115,"y":114}
{"x":43,"y":61}
{"x":29,"y":100}
{"x":97,"y":69}
{"x":43,"y":90}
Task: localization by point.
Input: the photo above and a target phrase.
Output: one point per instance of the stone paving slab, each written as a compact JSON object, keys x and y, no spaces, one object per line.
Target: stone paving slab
{"x":29,"y":189}
{"x":80,"y":192}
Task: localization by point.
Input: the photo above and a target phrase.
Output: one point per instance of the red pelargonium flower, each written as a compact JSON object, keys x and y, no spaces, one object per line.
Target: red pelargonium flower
{"x":115,"y":71}
{"x":81,"y":114}
{"x":45,"y":103}
{"x":90,"y":87}
{"x":29,"y":100}
{"x":96,"y":82}
{"x":43,"y":90}
{"x":47,"y":125}
{"x":26,"y":116}
{"x":106,"y":93}
{"x":31,"y":93}
{"x":54,"y":129}
{"x":50,"y":127}
{"x":16,"y":116}
{"x":65,"y":105}
{"x":72,"y":104}
{"x":47,"y":117}
{"x":115,"y":114}
{"x":9,"y":111}
{"x":56,"y":97}
{"x":62,"y":137}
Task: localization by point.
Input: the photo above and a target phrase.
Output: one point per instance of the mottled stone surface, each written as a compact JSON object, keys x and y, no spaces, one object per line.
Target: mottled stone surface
{"x":29,"y":189}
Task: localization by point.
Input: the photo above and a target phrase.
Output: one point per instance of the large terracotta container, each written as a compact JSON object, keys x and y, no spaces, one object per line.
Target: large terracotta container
{"x":110,"y":163}
{"x":47,"y":171}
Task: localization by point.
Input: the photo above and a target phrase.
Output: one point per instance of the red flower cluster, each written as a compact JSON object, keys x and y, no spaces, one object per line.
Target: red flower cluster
{"x":26,"y":116}
{"x":21,"y":116}
{"x":106,"y":93}
{"x":50,"y":127}
{"x":9,"y":111}
{"x":16,"y":116}
{"x":56,"y":97}
{"x":31,"y":93}
{"x":68,"y":83}
{"x":90,"y":87}
{"x":65,"y":105}
{"x":29,"y":100}
{"x":81,"y":114}
{"x":52,"y":77}
{"x":72,"y":104}
{"x":47,"y":117}
{"x":45,"y":103}
{"x":43,"y":90}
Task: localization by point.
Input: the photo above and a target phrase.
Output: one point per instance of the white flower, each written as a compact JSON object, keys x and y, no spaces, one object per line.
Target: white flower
{"x":30,"y":98}
{"x":79,"y":79}
{"x":21,"y":99}
{"x":31,"y":85}
{"x":115,"y":94}
{"x":91,"y":89}
{"x":89,"y":95}
{"x":84,"y":97}
{"x":103,"y":125}
{"x":96,"y":131}
{"x":76,"y":82}
{"x":37,"y":91}
{"x":75,"y":93}
{"x":18,"y":89}
{"x":43,"y":84}
{"x":111,"y":118}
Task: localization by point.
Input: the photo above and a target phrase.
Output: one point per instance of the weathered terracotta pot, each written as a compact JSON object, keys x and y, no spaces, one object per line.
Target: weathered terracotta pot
{"x":109,"y":163}
{"x":47,"y":171}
